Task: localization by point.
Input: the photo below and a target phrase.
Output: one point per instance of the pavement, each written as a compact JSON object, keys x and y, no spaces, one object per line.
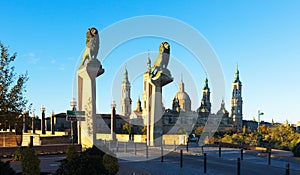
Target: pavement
{"x":137,"y":163}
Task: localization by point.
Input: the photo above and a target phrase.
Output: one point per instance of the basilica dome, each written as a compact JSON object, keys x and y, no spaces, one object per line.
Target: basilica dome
{"x":183,"y":98}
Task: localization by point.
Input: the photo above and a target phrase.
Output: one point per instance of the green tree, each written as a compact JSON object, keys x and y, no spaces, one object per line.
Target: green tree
{"x":128,"y":128}
{"x":12,"y":88}
{"x":30,"y":162}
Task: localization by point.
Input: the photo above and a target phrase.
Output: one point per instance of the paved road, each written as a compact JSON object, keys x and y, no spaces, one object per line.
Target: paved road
{"x":193,"y":162}
{"x":131,"y":163}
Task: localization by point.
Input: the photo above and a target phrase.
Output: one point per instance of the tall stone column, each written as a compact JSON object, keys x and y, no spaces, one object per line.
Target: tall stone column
{"x":113,"y":121}
{"x":154,"y":127}
{"x":43,"y":124}
{"x":52,"y":123}
{"x":25,"y":127}
{"x":33,"y":123}
{"x":87,"y":74}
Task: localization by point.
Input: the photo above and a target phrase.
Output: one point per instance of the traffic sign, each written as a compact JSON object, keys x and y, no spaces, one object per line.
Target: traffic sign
{"x":69,"y":112}
{"x":75,"y":115}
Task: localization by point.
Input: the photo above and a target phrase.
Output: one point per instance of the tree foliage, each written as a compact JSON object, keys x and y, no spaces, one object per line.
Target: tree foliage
{"x":12,"y":88}
{"x":91,"y":161}
{"x":127,"y":128}
{"x":30,"y":162}
{"x":278,"y":137}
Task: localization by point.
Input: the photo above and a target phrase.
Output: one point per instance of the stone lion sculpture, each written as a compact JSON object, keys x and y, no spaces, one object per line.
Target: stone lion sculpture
{"x":162,"y":60}
{"x":92,"y":45}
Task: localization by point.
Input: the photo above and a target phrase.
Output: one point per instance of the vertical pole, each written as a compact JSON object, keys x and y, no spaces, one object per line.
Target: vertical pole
{"x":219,"y":151}
{"x":205,"y":165}
{"x":33,"y":123}
{"x":43,"y":120}
{"x":31,"y":142}
{"x":238,"y":166}
{"x":269,"y":157}
{"x":242,"y":153}
{"x":181,"y":159}
{"x":52,"y":123}
{"x":174,"y":144}
{"x":117,"y":144}
{"x":162,"y":153}
{"x":287,"y":169}
{"x":134,"y":148}
{"x":125,"y":147}
{"x":187,"y":146}
{"x":146,"y":151}
{"x":202,"y":150}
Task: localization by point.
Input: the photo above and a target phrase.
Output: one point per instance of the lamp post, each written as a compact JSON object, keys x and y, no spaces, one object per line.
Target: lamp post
{"x":73,"y":104}
{"x":25,"y":129}
{"x":258,"y":124}
{"x":43,"y":127}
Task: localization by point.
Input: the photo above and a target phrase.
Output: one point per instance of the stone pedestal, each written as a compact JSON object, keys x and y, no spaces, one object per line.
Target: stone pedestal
{"x":154,"y":118}
{"x":87,"y":101}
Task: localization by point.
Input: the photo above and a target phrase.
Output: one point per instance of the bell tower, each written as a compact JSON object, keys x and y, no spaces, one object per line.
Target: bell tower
{"x":126,"y":100}
{"x":237,"y":102}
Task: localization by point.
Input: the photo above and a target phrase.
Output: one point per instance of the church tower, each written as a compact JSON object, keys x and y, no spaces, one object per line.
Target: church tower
{"x":183,"y":99}
{"x":237,"y":102}
{"x":125,"y":100}
{"x":146,"y":101}
{"x":205,"y":107}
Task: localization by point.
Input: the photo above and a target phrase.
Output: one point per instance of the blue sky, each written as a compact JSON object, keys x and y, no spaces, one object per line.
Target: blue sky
{"x":263,"y":37}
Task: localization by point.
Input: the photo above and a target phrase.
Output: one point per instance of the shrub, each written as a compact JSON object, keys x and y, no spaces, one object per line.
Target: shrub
{"x":71,"y":152}
{"x":87,"y":162}
{"x":296,"y":150}
{"x":18,"y":154}
{"x":5,"y":169}
{"x":30,"y":162}
{"x":110,"y":164}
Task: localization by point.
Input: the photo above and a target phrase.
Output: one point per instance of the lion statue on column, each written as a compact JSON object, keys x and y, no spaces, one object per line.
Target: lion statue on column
{"x":92,"y":46}
{"x":162,"y":60}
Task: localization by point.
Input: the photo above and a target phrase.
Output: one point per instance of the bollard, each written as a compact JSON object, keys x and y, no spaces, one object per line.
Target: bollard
{"x":125,"y":147}
{"x":117,"y":145}
{"x":287,"y":169}
{"x":219,"y":151}
{"x":238,"y":166}
{"x":204,"y":157}
{"x":242,"y":153}
{"x":146,"y":151}
{"x":269,"y":157}
{"x":31,"y":142}
{"x":174,"y":145}
{"x":162,"y":153}
{"x":109,"y":146}
{"x":181,"y":158}
{"x":202,"y":150}
{"x":187,"y":146}
{"x":134,"y":148}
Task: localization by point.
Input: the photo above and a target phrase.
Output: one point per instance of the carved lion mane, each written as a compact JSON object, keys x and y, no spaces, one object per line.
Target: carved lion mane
{"x":92,"y":45}
{"x":162,"y":60}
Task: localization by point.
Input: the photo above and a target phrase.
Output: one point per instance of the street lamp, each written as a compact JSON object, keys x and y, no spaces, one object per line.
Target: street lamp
{"x":73,"y":104}
{"x":258,"y":124}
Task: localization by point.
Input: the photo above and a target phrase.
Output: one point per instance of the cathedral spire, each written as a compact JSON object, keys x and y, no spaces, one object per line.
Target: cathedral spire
{"x":126,"y":100}
{"x":148,"y":70}
{"x":181,"y":85}
{"x":206,"y":83}
{"x":237,"y":73}
{"x":125,"y":80}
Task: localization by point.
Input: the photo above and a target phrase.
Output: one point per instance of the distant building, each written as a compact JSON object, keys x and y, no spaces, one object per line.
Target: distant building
{"x":237,"y":102}
{"x":60,"y":122}
{"x":252,"y":125}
